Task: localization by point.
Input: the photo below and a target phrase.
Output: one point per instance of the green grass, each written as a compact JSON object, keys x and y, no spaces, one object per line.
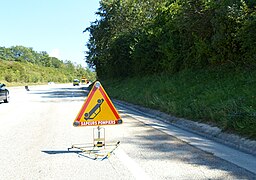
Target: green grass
{"x":220,"y":97}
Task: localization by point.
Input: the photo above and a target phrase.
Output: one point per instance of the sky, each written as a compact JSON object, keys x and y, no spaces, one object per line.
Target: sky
{"x":54,"y":26}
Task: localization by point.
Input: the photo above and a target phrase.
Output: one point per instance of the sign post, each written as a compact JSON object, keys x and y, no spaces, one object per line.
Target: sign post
{"x":99,"y":137}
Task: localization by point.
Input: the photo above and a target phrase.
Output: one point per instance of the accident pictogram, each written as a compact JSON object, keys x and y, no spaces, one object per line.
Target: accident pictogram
{"x":97,"y":110}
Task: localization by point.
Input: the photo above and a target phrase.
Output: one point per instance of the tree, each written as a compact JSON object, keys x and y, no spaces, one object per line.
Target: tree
{"x":133,"y":37}
{"x":113,"y":36}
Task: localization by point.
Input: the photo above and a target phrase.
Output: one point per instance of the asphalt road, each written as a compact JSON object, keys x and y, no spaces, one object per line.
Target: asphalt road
{"x":36,"y":131}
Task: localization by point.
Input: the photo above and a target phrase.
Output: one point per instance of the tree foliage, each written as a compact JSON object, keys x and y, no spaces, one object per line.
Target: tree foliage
{"x":133,"y":38}
{"x":22,"y":64}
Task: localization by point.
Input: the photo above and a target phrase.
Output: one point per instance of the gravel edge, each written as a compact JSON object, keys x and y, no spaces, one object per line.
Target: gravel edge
{"x":235,"y":141}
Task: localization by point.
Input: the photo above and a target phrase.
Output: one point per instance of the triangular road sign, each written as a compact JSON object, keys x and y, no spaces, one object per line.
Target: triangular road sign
{"x":97,"y":110}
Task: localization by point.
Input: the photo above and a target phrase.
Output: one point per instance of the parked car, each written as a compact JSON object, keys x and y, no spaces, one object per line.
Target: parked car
{"x":76,"y":82}
{"x":4,"y":93}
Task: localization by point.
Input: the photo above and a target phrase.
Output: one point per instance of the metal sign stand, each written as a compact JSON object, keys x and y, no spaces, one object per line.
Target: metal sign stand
{"x":99,"y":150}
{"x":99,"y":141}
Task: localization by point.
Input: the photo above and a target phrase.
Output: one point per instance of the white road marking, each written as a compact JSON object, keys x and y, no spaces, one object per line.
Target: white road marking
{"x":133,"y":167}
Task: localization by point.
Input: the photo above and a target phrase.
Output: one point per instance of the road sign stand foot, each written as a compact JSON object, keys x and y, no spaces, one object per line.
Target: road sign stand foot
{"x":99,"y":149}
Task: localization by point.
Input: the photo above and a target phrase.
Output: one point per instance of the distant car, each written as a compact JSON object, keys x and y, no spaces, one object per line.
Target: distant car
{"x":84,"y":81}
{"x":51,"y":83}
{"x":76,"y":82}
{"x":4,"y":93}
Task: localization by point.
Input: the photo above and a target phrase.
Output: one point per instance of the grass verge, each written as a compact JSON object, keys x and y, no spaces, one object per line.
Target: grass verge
{"x":216,"y":96}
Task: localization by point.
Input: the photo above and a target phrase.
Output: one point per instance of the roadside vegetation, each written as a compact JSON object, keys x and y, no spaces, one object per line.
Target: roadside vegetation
{"x":190,"y":58}
{"x":218,"y":97}
{"x":21,"y":65}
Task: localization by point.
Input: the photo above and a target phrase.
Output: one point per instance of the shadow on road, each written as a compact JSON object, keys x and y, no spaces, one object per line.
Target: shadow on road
{"x":78,"y":152}
{"x":62,"y":92}
{"x":61,"y":151}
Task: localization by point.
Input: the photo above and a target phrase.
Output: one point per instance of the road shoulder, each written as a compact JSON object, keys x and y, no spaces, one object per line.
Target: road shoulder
{"x":232,"y":148}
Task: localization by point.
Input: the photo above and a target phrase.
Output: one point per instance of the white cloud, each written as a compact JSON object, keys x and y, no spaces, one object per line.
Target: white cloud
{"x":55,"y":53}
